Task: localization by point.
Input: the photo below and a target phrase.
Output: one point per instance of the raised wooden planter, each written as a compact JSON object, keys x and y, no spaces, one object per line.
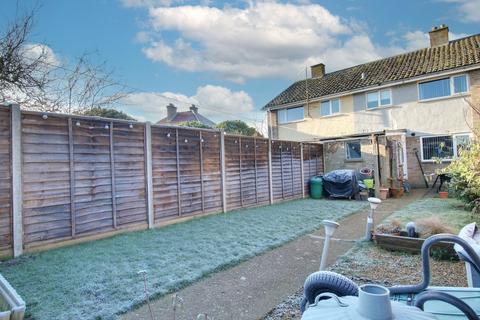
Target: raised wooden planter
{"x":407,"y":244}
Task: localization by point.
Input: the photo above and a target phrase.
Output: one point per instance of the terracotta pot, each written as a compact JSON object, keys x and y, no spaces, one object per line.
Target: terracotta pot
{"x":396,"y":193}
{"x":383,"y":193}
{"x":443,"y":194}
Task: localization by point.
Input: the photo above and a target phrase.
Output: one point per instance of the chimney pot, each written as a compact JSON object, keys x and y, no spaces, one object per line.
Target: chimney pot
{"x":438,"y":35}
{"x":194,"y":108}
{"x":171,"y":111}
{"x":318,"y":70}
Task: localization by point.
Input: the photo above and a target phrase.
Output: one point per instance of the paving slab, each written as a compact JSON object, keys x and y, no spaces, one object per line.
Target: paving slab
{"x":251,"y":289}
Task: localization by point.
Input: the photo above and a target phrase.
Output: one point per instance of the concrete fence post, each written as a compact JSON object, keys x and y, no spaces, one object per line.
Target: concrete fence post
{"x":149,"y":173}
{"x":222,"y":165}
{"x":17,"y":214}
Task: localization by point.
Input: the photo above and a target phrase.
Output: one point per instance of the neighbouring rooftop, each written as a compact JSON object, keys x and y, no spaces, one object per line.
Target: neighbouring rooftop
{"x":175,"y":117}
{"x":441,"y":56}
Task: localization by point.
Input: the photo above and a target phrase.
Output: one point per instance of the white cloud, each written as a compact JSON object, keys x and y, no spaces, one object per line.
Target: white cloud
{"x":33,"y":51}
{"x":468,"y":9}
{"x":265,"y":39}
{"x":417,"y":39}
{"x":147,"y":3}
{"x":215,"y":102}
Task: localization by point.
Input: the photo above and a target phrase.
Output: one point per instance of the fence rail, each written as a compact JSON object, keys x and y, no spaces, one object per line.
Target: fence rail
{"x":78,"y":176}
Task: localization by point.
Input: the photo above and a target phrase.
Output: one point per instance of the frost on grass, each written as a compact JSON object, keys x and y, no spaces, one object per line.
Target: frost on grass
{"x":99,"y":280}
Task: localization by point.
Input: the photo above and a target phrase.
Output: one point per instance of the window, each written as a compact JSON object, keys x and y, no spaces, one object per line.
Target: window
{"x":460,"y":84}
{"x":442,"y":87}
{"x":290,"y":115}
{"x":377,"y":99}
{"x":329,"y":107}
{"x":443,"y":147}
{"x":354,"y":150}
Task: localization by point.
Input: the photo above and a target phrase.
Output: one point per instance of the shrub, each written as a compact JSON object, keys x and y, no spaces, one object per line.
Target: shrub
{"x":430,"y":226}
{"x":465,"y":177}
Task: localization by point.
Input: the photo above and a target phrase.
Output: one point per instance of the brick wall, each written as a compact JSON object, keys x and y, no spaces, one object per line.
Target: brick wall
{"x":335,"y":156}
{"x":415,"y":177}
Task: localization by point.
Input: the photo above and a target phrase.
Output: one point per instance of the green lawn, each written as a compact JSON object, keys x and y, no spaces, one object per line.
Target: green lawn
{"x":99,"y":280}
{"x":449,"y":211}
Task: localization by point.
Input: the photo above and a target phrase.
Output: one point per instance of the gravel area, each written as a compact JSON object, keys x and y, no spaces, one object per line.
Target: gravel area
{"x":366,"y":263}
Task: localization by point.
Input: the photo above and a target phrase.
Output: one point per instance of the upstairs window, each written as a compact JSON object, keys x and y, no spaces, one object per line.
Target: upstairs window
{"x":290,"y":115}
{"x":353,"y":150}
{"x":329,"y":107}
{"x":443,"y":147}
{"x":443,"y":87}
{"x":379,"y":98}
{"x":460,"y":84}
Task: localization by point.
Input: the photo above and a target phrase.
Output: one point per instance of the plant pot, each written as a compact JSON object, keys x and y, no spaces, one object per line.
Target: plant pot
{"x":396,"y":193}
{"x":443,"y":194}
{"x":383,"y":193}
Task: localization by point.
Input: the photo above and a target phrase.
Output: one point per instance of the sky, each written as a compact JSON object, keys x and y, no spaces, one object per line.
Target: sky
{"x":232,"y":57}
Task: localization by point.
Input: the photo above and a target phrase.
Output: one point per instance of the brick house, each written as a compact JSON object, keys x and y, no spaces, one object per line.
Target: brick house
{"x":384,"y":114}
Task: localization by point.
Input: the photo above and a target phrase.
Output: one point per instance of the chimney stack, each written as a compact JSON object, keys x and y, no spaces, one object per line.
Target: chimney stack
{"x":194,"y":108}
{"x":438,"y":35}
{"x":171,"y":111}
{"x":318,"y":70}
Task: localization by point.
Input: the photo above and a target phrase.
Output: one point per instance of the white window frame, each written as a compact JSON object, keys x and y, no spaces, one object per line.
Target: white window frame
{"x":454,"y":144}
{"x":286,"y":110}
{"x":346,"y":150}
{"x":379,"y":99}
{"x":452,"y":87}
{"x":330,"y":107}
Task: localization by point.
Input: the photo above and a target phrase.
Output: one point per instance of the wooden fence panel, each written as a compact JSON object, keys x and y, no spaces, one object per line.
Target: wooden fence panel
{"x":312,"y":162}
{"x":277,"y":171}
{"x":88,"y":176}
{"x":232,"y":170}
{"x":287,"y":160}
{"x":189,"y":159}
{"x":129,"y":169}
{"x":46,"y":178}
{"x":212,"y":176}
{"x":296,"y":170}
{"x":164,"y":163}
{"x":249,"y":172}
{"x":263,"y":192}
{"x":5,"y":180}
{"x":94,"y":211}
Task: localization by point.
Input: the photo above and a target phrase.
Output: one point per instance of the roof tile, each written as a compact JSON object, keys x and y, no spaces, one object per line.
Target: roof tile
{"x":458,"y":53}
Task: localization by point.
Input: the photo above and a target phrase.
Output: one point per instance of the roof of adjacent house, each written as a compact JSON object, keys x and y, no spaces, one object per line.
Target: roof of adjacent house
{"x":185,"y":116}
{"x":456,"y":54}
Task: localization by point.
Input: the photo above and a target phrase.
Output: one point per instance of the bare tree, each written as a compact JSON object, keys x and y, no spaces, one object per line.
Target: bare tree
{"x":31,"y":75}
{"x":22,"y":66}
{"x":90,"y":85}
